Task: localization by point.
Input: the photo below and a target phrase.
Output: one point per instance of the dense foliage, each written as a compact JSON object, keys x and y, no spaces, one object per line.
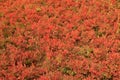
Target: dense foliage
{"x":59,"y":39}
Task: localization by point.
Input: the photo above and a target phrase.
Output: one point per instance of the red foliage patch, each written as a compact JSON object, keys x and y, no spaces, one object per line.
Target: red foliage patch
{"x":59,"y":39}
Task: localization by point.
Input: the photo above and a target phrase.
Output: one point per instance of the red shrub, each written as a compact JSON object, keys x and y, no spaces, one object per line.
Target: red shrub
{"x":59,"y":40}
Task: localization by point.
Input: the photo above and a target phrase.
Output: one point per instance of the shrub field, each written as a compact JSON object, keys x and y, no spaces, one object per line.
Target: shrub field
{"x":59,"y":39}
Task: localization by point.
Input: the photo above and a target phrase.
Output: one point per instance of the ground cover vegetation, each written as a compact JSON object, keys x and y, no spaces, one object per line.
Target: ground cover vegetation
{"x":59,"y":39}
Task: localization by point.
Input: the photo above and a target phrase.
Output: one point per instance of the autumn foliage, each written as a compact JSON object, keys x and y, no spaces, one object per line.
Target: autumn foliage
{"x":59,"y":39}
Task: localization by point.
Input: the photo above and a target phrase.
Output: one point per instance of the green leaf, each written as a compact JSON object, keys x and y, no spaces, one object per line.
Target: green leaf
{"x":85,"y":51}
{"x":1,"y":14}
{"x":38,"y":9}
{"x":68,"y":71}
{"x":28,"y":62}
